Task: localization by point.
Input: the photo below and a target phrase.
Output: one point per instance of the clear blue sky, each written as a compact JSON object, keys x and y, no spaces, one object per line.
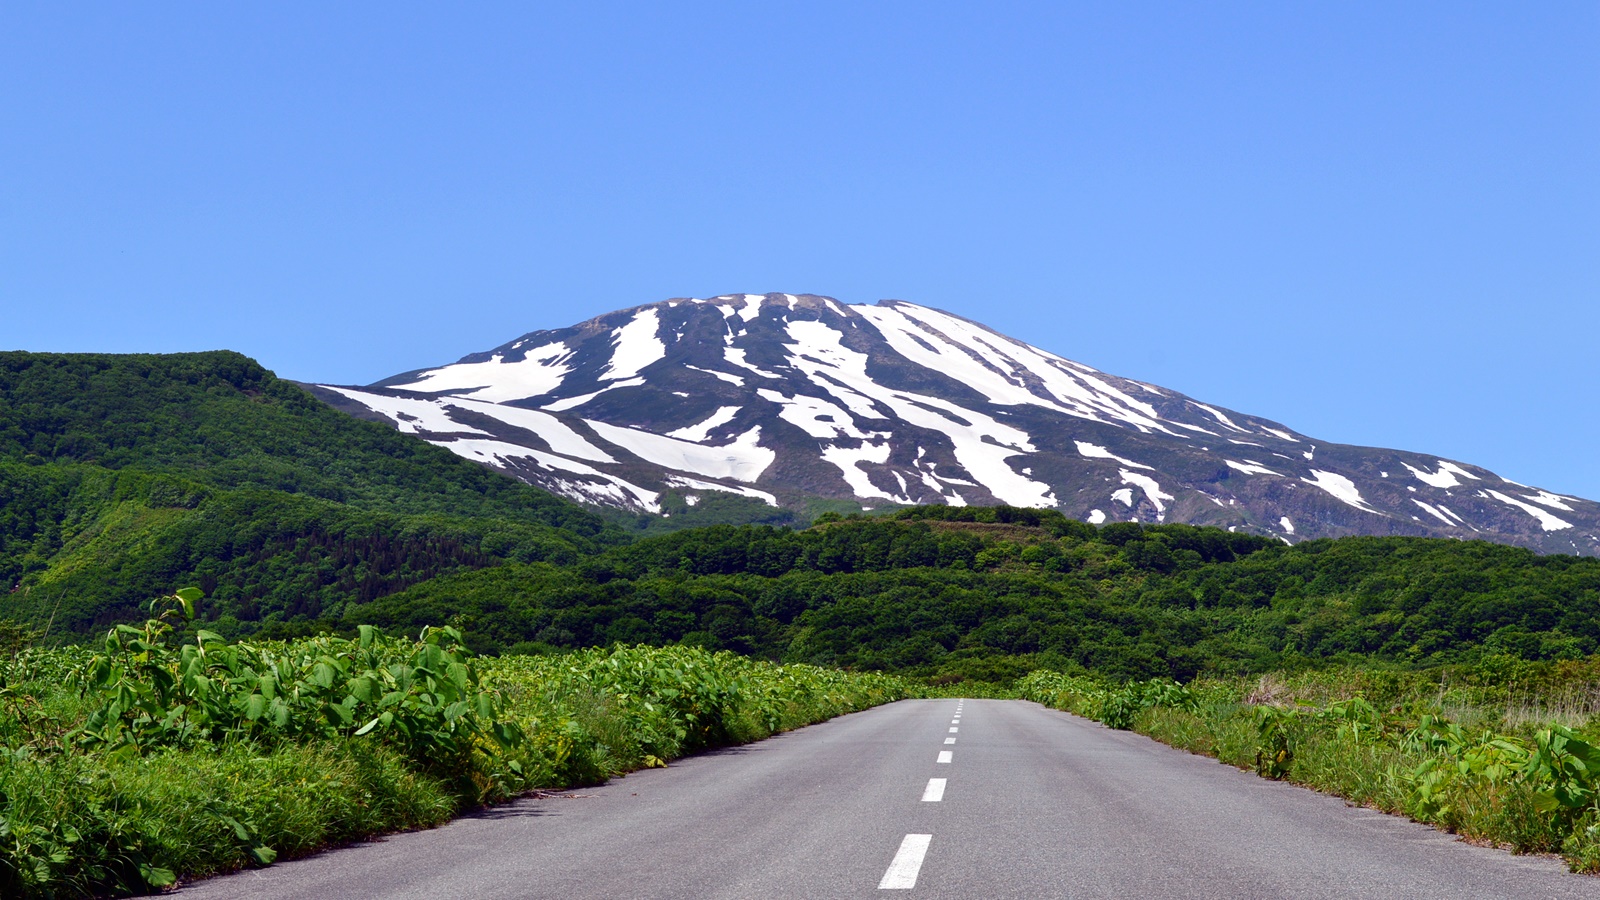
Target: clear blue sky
{"x":1378,"y":223}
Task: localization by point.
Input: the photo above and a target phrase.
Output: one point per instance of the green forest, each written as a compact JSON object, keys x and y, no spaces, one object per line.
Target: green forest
{"x":990,"y":593}
{"x":124,"y":477}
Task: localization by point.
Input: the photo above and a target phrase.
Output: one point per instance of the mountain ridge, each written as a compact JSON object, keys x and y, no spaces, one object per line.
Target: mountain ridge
{"x":781,"y":398}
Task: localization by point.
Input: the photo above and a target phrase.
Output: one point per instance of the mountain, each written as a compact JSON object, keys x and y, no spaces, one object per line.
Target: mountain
{"x":124,"y":477}
{"x":793,"y":400}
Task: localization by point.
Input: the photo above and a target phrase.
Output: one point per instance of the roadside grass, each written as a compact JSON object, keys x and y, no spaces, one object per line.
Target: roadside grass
{"x":593,"y":714}
{"x":155,"y":759}
{"x":1502,"y":753}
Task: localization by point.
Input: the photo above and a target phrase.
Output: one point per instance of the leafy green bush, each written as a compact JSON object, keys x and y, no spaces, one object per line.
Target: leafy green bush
{"x":167,"y":753}
{"x":596,"y":713}
{"x":422,"y":697}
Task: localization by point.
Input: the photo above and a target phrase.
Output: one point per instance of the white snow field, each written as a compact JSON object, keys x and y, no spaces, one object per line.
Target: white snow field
{"x":1339,"y":487}
{"x":638,"y":344}
{"x":744,"y":459}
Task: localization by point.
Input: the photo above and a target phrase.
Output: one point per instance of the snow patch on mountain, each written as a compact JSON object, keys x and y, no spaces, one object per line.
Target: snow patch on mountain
{"x":561,"y":438}
{"x":1554,"y":501}
{"x":1436,"y":513}
{"x":736,"y":357}
{"x":1219,"y":415}
{"x":848,"y":460}
{"x":1458,"y":520}
{"x":637,"y":344}
{"x":1340,"y":488}
{"x":1547,"y":520}
{"x":701,"y":431}
{"x":697,"y":484}
{"x":494,"y":380}
{"x":1251,"y":468}
{"x":752,"y":306}
{"x":742,"y":460}
{"x":1152,"y":491}
{"x":1446,"y":477}
{"x":734,"y":380}
{"x":981,"y":444}
{"x":411,"y":415}
{"x":1095,"y":451}
{"x":999,"y":368}
{"x":814,"y":415}
{"x":575,"y":402}
{"x":598,"y":486}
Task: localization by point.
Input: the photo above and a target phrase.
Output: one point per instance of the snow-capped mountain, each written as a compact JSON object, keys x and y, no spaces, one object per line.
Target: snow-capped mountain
{"x":783,"y":397}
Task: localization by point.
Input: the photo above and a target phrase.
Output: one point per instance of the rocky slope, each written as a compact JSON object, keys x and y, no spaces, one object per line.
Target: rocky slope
{"x":783,"y":397}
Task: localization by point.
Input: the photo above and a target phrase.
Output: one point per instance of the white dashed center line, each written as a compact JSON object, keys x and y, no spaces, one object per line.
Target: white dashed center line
{"x":902,"y":873}
{"x":934,"y":792}
{"x":949,"y":740}
{"x":946,"y":755}
{"x":954,"y":729}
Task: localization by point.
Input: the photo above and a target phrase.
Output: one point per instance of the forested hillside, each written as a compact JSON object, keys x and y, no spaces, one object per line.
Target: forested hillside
{"x":122,"y":476}
{"x":992,"y":592}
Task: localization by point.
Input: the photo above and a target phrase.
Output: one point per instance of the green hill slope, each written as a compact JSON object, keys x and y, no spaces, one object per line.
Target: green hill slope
{"x":122,"y":476}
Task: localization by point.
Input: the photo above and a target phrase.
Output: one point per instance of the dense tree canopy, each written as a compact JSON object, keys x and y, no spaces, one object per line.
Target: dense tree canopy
{"x":122,"y":476}
{"x":938,"y":589}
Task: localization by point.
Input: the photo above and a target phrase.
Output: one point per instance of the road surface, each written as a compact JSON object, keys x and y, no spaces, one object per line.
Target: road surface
{"x":922,"y":798}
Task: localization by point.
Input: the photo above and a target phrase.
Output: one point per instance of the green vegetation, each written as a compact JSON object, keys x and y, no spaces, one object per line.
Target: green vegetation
{"x":160,"y":756}
{"x":123,"y":475}
{"x":992,"y":593}
{"x":1504,"y":750}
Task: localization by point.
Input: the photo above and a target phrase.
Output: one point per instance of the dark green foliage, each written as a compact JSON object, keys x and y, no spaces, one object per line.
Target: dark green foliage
{"x":421,"y":698}
{"x":123,"y":770}
{"x":223,"y":421}
{"x":123,"y":475}
{"x":940,"y":591}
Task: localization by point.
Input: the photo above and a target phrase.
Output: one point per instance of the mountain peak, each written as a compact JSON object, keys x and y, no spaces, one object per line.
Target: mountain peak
{"x":790,"y":398}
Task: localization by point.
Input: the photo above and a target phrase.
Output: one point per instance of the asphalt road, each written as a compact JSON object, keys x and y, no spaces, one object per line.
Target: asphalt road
{"x":1032,"y":803}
